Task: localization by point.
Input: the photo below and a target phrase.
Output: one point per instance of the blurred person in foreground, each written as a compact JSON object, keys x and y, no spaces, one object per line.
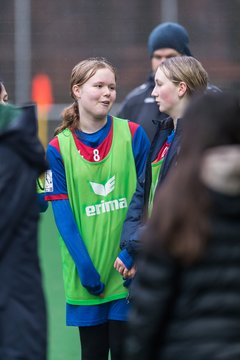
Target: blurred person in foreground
{"x":166,"y":40}
{"x":186,"y":293}
{"x":176,"y":81}
{"x":23,"y":328}
{"x":43,"y":204}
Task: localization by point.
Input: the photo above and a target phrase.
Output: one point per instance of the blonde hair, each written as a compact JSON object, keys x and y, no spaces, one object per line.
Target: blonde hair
{"x":186,"y":69}
{"x":81,"y":73}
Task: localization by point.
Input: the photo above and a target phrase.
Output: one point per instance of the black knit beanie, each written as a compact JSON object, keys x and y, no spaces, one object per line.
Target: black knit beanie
{"x":169,"y":35}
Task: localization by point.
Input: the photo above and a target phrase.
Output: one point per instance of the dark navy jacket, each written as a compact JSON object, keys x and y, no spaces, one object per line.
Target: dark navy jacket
{"x":134,"y":222}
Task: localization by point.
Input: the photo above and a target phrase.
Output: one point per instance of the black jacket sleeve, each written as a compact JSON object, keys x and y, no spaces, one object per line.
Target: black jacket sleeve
{"x":132,"y":225}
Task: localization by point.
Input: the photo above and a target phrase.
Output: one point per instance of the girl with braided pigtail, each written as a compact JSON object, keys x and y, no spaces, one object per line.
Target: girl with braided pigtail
{"x":95,"y":160}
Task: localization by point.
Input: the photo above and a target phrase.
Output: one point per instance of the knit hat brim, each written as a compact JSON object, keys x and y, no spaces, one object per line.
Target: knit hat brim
{"x":169,"y":35}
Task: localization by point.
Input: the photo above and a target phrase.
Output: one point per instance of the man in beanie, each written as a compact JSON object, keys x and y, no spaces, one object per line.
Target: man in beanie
{"x":166,"y":40}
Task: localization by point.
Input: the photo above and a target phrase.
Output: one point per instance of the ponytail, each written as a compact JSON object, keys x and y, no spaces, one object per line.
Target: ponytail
{"x":70,"y":116}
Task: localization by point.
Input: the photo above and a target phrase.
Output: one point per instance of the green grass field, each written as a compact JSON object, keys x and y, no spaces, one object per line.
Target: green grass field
{"x":63,"y":341}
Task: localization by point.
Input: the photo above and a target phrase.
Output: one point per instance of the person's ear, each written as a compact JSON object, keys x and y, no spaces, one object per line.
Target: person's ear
{"x":76,"y":89}
{"x":182,"y":88}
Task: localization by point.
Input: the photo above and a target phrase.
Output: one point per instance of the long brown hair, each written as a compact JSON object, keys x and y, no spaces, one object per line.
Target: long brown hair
{"x":81,"y":73}
{"x":180,"y":217}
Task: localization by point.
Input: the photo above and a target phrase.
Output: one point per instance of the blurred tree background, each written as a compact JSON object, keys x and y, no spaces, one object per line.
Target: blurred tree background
{"x":61,"y":33}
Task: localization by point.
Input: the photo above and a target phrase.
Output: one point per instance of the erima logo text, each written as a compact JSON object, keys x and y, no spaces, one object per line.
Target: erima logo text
{"x":105,"y":206}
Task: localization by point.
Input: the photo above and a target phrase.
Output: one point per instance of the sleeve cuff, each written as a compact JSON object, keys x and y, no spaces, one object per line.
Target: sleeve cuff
{"x":126,"y":258}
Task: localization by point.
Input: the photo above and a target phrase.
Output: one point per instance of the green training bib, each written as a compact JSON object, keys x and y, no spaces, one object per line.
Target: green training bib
{"x":99,"y":195}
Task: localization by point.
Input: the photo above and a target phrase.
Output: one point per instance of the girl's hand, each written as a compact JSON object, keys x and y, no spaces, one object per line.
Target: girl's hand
{"x":119,"y":266}
{"x":129,"y":274}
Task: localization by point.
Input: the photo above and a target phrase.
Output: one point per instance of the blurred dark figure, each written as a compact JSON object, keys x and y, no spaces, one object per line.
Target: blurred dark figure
{"x":166,"y":40}
{"x":42,"y":203}
{"x":186,"y":294}
{"x":23,"y":329}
